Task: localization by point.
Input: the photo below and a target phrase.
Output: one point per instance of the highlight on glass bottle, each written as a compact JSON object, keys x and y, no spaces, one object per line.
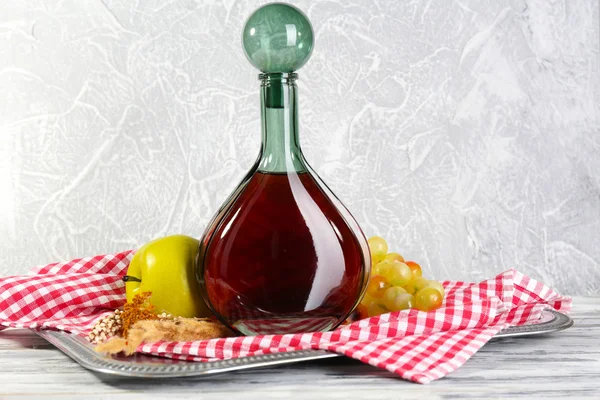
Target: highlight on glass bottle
{"x":282,"y":255}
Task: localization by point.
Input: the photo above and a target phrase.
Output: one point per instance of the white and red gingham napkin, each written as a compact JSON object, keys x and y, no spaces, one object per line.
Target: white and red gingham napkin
{"x":419,"y":346}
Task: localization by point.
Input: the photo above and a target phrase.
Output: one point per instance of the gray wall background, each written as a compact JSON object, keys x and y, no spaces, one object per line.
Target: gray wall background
{"x":465,"y":132}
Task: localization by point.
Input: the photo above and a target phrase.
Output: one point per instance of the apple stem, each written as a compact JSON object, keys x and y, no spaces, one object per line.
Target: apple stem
{"x":129,"y":278}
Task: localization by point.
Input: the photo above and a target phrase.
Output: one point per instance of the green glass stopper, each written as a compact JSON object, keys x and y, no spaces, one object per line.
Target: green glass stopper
{"x":278,"y":37}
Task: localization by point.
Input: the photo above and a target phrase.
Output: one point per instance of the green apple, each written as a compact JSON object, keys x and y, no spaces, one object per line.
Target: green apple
{"x":166,"y":267}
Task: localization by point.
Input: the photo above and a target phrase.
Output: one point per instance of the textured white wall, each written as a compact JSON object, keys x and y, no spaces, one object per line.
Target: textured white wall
{"x":466,"y":132}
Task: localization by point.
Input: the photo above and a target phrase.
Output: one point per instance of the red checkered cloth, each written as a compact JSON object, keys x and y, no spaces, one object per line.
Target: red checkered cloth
{"x":419,"y":346}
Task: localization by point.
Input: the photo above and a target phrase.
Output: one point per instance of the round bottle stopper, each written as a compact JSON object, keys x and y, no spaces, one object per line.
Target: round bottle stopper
{"x":278,"y":38}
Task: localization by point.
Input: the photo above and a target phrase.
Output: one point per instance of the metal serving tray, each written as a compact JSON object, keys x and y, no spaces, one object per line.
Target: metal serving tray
{"x":143,"y":366}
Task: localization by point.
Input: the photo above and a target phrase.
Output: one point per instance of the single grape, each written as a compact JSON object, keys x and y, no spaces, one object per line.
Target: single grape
{"x":376,"y":309}
{"x":403,"y":301}
{"x":428,"y":298}
{"x":398,"y":273}
{"x":437,"y":285}
{"x":377,"y":286}
{"x":362,"y":311}
{"x":366,"y":300}
{"x":382,"y":268}
{"x":420,"y":283}
{"x":415,"y":268}
{"x":378,"y":247}
{"x":415,"y":284}
{"x":390,"y":295}
{"x":394,"y":257}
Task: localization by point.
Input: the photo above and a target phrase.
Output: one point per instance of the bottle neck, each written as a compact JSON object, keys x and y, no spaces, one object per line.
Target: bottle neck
{"x":280,"y":150}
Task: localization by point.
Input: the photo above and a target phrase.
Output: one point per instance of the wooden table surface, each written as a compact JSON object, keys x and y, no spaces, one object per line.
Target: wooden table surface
{"x":558,"y":365}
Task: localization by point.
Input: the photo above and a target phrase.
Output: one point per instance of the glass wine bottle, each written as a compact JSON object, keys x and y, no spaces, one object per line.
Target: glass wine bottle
{"x":282,"y":255}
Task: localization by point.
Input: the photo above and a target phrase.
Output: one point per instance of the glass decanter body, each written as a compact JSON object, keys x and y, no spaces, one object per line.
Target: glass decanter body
{"x":282,"y":255}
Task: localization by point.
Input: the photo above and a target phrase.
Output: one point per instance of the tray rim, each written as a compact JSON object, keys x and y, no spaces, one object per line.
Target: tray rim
{"x":81,"y":351}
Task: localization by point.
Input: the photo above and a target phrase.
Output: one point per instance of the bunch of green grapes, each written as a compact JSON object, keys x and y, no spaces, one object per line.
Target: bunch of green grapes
{"x":397,"y":284}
